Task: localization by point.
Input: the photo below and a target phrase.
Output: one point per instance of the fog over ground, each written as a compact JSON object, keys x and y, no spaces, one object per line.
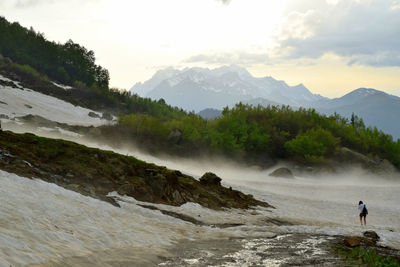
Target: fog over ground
{"x":327,"y":203}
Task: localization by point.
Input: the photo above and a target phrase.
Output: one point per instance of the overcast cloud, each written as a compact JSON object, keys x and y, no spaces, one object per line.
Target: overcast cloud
{"x":364,"y":32}
{"x":225,"y":1}
{"x":239,"y":57}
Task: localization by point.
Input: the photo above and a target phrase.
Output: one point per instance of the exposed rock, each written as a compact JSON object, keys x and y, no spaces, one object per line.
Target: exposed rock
{"x":210,"y":178}
{"x":352,"y":241}
{"x":356,"y":241}
{"x":4,"y":116}
{"x":351,"y":156}
{"x":372,"y":235}
{"x":8,"y":83}
{"x":175,"y":136}
{"x":157,"y":183}
{"x":282,"y":172}
{"x":107,"y":116}
{"x":384,"y":166}
{"x":172,"y":177}
{"x":381,"y":166}
{"x":125,"y":189}
{"x":38,"y":121}
{"x":93,"y":115}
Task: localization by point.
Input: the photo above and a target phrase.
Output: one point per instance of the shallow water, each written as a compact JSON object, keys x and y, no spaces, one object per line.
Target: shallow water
{"x":284,"y":250}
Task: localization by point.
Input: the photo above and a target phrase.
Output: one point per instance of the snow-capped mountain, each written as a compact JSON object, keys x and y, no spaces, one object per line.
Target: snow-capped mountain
{"x":200,"y":88}
{"x":143,"y":88}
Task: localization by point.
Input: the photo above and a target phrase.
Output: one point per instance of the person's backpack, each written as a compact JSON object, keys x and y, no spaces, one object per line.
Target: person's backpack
{"x":365,"y":211}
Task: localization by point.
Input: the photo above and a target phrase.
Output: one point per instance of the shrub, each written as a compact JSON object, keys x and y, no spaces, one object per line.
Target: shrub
{"x":312,"y":146}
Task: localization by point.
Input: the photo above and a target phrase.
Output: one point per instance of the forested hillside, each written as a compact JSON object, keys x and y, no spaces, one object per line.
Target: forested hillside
{"x":302,"y":135}
{"x":28,"y":57}
{"x":67,"y":63}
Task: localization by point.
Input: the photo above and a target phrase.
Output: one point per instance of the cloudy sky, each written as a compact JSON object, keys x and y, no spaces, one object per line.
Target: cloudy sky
{"x":331,"y":46}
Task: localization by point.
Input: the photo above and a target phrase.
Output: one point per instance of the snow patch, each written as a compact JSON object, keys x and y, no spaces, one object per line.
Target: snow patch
{"x":65,"y":87}
{"x":45,"y":106}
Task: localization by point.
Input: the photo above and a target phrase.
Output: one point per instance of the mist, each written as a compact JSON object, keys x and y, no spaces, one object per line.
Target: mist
{"x":327,"y":203}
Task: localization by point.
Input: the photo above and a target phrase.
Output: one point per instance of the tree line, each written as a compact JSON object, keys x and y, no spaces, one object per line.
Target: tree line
{"x":303,"y":135}
{"x":67,"y":63}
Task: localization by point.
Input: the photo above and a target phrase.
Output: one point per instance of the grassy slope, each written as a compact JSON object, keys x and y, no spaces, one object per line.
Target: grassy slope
{"x":96,"y":172}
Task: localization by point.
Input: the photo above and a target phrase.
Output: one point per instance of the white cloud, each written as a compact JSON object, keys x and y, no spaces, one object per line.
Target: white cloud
{"x":395,"y":5}
{"x":225,"y":2}
{"x":299,"y":25}
{"x":238,"y":57}
{"x":364,"y":31}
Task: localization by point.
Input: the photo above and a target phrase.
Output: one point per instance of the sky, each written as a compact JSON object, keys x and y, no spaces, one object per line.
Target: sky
{"x":331,"y":46}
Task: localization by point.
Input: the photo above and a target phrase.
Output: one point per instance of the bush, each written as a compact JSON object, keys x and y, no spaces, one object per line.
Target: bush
{"x":313,"y":145}
{"x":28,"y":73}
{"x":372,"y":259}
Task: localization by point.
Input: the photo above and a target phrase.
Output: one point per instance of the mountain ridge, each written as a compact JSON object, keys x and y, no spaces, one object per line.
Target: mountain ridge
{"x":197,"y":89}
{"x":233,"y":82}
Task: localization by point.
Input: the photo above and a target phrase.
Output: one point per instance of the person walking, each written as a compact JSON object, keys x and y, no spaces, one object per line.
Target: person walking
{"x":363,"y":212}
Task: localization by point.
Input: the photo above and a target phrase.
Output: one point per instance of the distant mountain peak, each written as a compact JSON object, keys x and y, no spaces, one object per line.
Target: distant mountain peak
{"x":368,"y":91}
{"x":362,"y":92}
{"x":242,"y":72}
{"x":199,"y":88}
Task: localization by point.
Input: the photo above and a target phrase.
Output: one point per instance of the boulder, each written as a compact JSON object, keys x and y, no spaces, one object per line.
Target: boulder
{"x":372,"y":235}
{"x":93,"y":115}
{"x":126,"y":189}
{"x":356,"y":241}
{"x":210,"y":178}
{"x":352,"y":241}
{"x":282,"y":172}
{"x":175,"y":136}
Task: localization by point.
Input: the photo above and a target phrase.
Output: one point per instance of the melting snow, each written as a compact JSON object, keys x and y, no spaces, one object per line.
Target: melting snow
{"x":21,"y":102}
{"x":65,"y":87}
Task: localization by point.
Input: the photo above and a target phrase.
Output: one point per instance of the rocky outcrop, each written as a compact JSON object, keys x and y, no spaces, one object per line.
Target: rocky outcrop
{"x":380,"y":166}
{"x":210,"y":179}
{"x":372,"y":235}
{"x":356,"y":241}
{"x":370,"y":238}
{"x":93,"y":115}
{"x":95,"y":173}
{"x":282,"y":172}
